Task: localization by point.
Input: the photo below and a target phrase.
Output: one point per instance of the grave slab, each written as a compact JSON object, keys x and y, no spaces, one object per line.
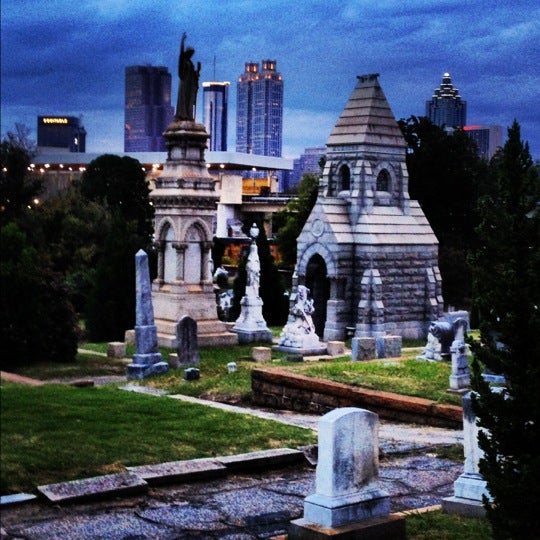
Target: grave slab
{"x":179,"y":471}
{"x":264,"y":458}
{"x":110,"y":485}
{"x":17,"y":498}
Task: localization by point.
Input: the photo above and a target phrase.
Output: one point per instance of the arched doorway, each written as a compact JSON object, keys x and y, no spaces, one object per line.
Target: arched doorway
{"x":319,"y":285}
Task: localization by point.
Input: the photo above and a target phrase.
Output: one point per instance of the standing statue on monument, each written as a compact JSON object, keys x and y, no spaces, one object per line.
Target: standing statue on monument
{"x":189,"y":83}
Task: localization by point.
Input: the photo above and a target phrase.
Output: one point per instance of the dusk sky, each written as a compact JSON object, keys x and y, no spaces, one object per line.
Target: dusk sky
{"x":61,"y":57}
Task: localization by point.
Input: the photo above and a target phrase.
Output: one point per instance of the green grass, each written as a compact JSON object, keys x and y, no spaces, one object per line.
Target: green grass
{"x":55,"y":433}
{"x":430,"y":525}
{"x":410,"y":377}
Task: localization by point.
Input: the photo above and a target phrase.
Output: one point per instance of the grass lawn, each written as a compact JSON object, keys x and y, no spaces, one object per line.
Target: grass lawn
{"x":430,"y":525}
{"x":54,"y":433}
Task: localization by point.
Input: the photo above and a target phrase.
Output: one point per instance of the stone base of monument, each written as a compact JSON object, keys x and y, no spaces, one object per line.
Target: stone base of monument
{"x":384,"y":527}
{"x":304,"y":351}
{"x":463,"y":507}
{"x":344,"y":509}
{"x":253,"y":336}
{"x":251,"y":327}
{"x":146,"y":365}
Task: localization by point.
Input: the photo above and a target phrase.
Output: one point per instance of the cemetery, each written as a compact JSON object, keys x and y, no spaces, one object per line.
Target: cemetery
{"x":239,"y":429}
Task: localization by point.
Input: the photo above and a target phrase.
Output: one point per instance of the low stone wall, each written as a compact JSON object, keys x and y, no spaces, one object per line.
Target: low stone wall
{"x":279,"y":389}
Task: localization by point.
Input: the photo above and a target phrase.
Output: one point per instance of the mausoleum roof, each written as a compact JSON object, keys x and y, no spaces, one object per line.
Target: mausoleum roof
{"x":367,"y":118}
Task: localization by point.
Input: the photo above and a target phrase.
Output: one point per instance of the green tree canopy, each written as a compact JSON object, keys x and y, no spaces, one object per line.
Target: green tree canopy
{"x":444,"y":175}
{"x":289,"y":222}
{"x":506,"y":269}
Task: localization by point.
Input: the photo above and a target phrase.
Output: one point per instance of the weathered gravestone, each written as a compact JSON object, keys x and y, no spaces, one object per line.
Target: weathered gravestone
{"x":186,"y":336}
{"x":147,"y":359}
{"x":470,"y":487}
{"x":460,"y":376}
{"x":347,"y":488}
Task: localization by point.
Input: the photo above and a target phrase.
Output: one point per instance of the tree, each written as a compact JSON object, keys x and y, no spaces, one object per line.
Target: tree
{"x":289,"y":222}
{"x":506,"y":269}
{"x":37,"y":320}
{"x":18,"y":188}
{"x":119,"y":186}
{"x":444,"y":175}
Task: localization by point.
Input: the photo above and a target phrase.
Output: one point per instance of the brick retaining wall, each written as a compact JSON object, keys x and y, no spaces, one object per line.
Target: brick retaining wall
{"x":280,"y":389}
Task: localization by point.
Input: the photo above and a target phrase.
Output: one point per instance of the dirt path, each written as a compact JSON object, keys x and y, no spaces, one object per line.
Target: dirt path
{"x":13,"y":377}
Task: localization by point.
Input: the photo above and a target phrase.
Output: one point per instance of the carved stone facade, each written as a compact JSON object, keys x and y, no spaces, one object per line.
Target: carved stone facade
{"x":367,"y":252}
{"x":185,"y":203}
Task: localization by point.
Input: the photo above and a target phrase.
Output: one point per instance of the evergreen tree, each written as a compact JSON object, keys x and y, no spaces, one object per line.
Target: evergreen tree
{"x":444,"y":175}
{"x":506,"y":270}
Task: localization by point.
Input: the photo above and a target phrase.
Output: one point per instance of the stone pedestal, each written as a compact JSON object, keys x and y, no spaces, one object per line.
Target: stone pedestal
{"x":363,"y":348}
{"x":347,"y":490}
{"x":251,"y":326}
{"x":470,"y":487}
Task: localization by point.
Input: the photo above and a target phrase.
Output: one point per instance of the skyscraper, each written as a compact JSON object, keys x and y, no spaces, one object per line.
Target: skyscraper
{"x":215,"y":105}
{"x":61,"y":132}
{"x":446,"y":107}
{"x":487,"y":138}
{"x":148,"y":109}
{"x":259,"y":110}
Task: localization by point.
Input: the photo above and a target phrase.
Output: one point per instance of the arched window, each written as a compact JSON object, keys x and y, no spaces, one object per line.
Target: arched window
{"x":344,"y":178}
{"x":383,"y":181}
{"x":169,"y":255}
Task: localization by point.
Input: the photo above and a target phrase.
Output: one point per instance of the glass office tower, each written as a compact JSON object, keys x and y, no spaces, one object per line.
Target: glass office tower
{"x":259,"y":110}
{"x":215,"y":104}
{"x":446,"y":108}
{"x":148,"y":109}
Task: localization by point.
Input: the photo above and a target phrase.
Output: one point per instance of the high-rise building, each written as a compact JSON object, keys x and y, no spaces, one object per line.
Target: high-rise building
{"x":215,"y":105}
{"x":446,"y":108}
{"x":308,"y":162}
{"x":259,"y":110}
{"x":148,"y":109}
{"x":487,"y":138}
{"x":61,"y":132}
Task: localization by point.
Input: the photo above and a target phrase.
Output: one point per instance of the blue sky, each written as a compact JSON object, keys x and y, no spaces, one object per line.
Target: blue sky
{"x":68,"y":58}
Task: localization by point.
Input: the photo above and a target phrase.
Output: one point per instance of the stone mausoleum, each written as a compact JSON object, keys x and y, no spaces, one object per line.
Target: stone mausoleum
{"x":367,"y":252}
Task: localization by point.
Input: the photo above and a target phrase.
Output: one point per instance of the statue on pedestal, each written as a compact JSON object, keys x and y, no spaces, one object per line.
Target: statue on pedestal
{"x":189,"y":83}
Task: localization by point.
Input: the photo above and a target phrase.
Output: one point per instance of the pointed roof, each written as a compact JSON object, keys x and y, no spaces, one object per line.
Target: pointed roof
{"x":367,"y":118}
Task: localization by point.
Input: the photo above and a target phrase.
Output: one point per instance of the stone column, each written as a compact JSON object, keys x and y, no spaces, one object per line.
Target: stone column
{"x":180,"y":248}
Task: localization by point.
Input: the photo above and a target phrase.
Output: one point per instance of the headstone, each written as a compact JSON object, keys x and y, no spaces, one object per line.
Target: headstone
{"x":261,"y":354}
{"x":335,"y":348}
{"x":346,"y":480}
{"x":460,"y":376}
{"x":441,"y":335}
{"x":116,"y":349}
{"x":186,"y":336}
{"x":362,"y":348}
{"x":250,"y":325}
{"x":147,"y":359}
{"x":388,"y":346}
{"x":192,"y":374}
{"x":470,"y":487}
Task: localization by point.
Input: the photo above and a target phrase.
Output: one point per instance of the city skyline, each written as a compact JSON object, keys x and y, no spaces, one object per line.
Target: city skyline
{"x":72,"y":61}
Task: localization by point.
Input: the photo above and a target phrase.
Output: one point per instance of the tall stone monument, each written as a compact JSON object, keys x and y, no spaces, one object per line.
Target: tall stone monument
{"x":367,"y":252}
{"x":250,"y":325}
{"x":147,"y":358}
{"x":185,"y":202}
